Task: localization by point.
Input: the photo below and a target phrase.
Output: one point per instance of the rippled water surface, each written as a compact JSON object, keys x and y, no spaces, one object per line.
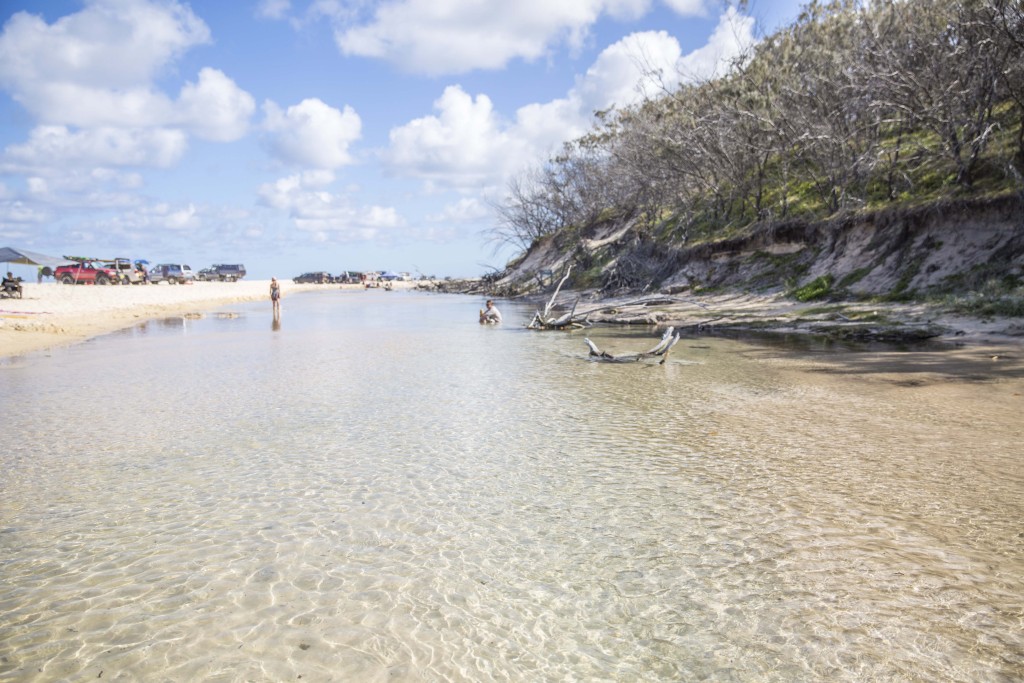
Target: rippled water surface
{"x":378,"y":488}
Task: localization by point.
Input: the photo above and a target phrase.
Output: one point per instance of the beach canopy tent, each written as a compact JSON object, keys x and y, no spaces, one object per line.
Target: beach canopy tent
{"x":30,"y":258}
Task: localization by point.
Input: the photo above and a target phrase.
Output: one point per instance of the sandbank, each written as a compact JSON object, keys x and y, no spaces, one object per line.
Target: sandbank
{"x":50,"y":314}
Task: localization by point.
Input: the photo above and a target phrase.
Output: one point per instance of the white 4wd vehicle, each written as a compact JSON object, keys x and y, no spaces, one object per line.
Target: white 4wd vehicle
{"x":171,"y":273}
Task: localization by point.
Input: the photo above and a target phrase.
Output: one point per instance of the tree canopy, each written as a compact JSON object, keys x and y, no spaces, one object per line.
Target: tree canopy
{"x":859,"y":104}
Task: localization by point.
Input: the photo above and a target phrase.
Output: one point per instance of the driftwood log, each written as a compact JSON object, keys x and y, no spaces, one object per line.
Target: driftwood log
{"x":542,"y":320}
{"x":668,"y":340}
{"x":575,"y":319}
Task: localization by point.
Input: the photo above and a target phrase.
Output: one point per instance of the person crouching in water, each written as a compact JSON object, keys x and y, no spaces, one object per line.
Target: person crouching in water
{"x":491,"y":314}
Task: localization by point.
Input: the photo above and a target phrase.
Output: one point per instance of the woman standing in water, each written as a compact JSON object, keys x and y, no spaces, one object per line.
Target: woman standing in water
{"x":275,"y":295}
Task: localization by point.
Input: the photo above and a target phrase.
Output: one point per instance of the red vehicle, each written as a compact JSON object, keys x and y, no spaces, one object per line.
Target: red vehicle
{"x":86,"y":273}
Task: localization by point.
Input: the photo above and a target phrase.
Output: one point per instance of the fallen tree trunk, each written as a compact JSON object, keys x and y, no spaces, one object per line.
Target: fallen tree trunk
{"x":668,"y":340}
{"x":542,"y":320}
{"x":576,"y":319}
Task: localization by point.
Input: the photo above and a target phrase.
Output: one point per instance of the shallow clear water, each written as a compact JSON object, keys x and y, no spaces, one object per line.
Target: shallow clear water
{"x":379,"y":488}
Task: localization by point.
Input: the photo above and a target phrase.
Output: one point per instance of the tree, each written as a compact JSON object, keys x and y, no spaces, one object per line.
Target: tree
{"x":526,"y":213}
{"x":938,"y":68}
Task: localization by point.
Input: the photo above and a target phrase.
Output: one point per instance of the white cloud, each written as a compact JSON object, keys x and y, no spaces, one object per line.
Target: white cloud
{"x":635,"y":67}
{"x":82,"y":190}
{"x":687,"y":8}
{"x":18,"y":213}
{"x":151,"y":223}
{"x":127,"y":180}
{"x":82,"y":187}
{"x":215,"y":108}
{"x":466,"y":210}
{"x":164,"y":228}
{"x":647,"y":64}
{"x":95,"y":70}
{"x":457,"y":36}
{"x":283,"y":192}
{"x":466,"y":145}
{"x":325,"y":215}
{"x":185,"y":218}
{"x":312,"y":134}
{"x":109,"y":44}
{"x":58,"y":148}
{"x":733,"y":35}
{"x":273,"y":9}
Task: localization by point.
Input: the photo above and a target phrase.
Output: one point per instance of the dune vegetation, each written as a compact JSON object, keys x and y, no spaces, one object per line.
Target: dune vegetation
{"x":891,"y":115}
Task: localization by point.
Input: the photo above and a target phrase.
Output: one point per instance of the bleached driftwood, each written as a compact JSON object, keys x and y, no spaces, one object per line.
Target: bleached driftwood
{"x":542,"y":320}
{"x":574,"y":319}
{"x":668,"y":340}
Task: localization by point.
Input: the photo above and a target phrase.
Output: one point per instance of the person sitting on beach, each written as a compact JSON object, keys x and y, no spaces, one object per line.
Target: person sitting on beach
{"x":491,"y":314}
{"x":12,"y":285}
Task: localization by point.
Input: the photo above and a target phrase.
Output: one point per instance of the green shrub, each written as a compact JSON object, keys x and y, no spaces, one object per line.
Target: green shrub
{"x":817,"y":288}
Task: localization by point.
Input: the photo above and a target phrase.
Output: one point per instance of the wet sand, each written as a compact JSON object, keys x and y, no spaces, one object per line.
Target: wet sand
{"x":50,"y":314}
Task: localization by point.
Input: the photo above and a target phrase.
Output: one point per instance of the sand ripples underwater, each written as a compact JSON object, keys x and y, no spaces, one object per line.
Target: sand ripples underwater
{"x":384,"y":490}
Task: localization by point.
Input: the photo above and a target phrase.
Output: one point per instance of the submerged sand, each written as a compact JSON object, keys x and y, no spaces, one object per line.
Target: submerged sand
{"x":50,"y":314}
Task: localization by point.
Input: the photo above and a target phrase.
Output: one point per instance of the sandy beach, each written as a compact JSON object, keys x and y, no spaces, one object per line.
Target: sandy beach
{"x":51,"y":314}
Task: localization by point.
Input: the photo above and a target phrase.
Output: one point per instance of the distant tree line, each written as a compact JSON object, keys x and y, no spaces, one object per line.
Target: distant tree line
{"x":858,"y":104}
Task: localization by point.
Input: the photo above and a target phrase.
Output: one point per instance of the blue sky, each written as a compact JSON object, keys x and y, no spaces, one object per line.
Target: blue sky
{"x":316,"y":135}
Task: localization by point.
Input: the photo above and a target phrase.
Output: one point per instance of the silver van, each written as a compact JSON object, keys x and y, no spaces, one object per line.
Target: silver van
{"x":171,"y":273}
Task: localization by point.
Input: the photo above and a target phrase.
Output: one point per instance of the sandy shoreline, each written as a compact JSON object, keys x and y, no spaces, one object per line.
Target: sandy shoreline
{"x":50,"y":315}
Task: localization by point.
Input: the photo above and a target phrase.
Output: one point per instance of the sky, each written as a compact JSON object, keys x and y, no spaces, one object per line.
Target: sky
{"x":305,"y":135}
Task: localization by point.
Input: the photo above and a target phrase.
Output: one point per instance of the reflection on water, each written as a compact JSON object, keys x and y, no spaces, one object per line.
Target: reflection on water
{"x":382,"y":489}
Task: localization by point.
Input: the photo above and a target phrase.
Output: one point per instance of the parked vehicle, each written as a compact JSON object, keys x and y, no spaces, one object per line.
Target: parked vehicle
{"x":319,"y":277}
{"x":127,"y":272}
{"x":86,"y":272}
{"x":348,"y":277}
{"x":223,"y":272}
{"x":171,"y":273}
